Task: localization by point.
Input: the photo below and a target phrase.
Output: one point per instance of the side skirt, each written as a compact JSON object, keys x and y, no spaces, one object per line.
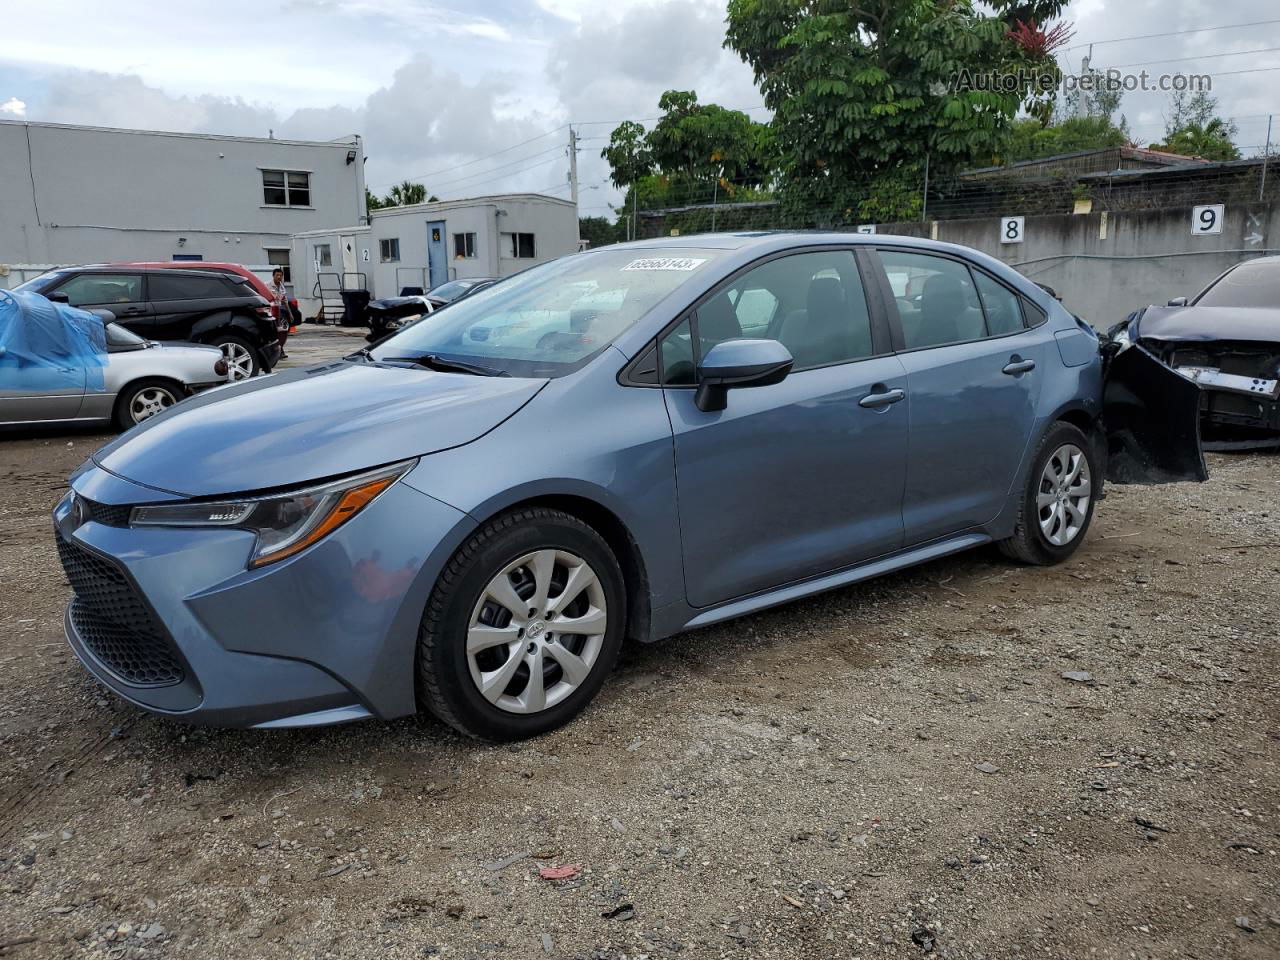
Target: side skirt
{"x":842,"y":578}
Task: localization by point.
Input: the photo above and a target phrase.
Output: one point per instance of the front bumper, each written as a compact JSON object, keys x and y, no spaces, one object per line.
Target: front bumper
{"x":270,"y":353}
{"x":172,"y":620}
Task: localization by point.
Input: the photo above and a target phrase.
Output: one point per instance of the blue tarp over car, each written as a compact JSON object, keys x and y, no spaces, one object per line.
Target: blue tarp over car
{"x":55,"y":346}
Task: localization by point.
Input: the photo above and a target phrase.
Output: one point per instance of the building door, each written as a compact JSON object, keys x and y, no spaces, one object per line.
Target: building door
{"x":350,"y":260}
{"x":437,"y":255}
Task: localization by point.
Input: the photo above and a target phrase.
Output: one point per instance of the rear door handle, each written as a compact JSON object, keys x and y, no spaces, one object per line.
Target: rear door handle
{"x":883,"y":399}
{"x":1017,"y":366}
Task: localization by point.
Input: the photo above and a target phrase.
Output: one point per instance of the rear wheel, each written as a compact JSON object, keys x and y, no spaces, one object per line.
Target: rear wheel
{"x":242,"y":359}
{"x":143,"y":400}
{"x":522,"y":627}
{"x":1057,"y":505}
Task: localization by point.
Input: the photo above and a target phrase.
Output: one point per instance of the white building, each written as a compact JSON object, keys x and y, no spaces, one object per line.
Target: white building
{"x":426,"y":244}
{"x":77,"y":194}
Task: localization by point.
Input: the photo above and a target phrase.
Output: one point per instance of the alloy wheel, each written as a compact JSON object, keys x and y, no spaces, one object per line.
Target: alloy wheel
{"x":239,"y":360}
{"x":536,"y":631}
{"x":1063,"y":498}
{"x":149,"y":401}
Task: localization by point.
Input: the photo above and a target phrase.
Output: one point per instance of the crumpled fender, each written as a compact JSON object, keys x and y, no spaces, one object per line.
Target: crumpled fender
{"x":1152,"y":419}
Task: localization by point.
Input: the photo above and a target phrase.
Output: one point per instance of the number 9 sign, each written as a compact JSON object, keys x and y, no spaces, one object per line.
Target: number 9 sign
{"x":1207,"y":220}
{"x":1012,"y":229}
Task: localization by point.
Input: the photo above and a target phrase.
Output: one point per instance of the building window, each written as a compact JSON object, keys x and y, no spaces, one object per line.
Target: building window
{"x":279,"y":257}
{"x":389,"y":250}
{"x":519,"y":245}
{"x":324,"y":255}
{"x":464,"y":246}
{"x":286,"y":188}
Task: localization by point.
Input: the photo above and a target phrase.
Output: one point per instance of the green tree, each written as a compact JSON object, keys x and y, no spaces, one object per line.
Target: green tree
{"x":628,"y":154}
{"x":406,"y":193}
{"x":1031,"y":140}
{"x":863,"y":94}
{"x":1194,"y":128}
{"x":372,"y":201}
{"x":598,"y":231}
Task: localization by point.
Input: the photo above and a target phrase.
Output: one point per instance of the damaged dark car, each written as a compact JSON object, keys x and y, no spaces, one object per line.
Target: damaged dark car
{"x":1226,"y":340}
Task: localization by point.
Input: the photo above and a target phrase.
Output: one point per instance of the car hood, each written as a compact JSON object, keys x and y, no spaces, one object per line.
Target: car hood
{"x":1209,"y":323}
{"x":308,"y":424}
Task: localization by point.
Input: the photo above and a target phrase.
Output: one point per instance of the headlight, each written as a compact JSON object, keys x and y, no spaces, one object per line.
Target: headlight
{"x":285,"y":523}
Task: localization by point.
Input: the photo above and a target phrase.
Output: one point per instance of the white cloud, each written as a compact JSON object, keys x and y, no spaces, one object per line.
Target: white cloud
{"x":14,"y":107}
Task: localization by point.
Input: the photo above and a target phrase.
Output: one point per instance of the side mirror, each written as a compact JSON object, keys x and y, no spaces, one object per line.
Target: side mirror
{"x":58,"y":298}
{"x":1178,"y":302}
{"x":739,"y":363}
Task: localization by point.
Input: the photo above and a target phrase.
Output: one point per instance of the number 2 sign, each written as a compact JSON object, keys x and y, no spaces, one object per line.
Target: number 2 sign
{"x":1207,"y":220}
{"x":1012,"y":229}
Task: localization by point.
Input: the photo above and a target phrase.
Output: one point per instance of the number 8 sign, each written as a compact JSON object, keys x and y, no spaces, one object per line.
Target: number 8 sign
{"x":1207,"y":220}
{"x":1012,"y":229}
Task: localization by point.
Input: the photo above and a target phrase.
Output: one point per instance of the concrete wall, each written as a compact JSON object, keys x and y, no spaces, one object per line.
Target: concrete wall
{"x":553,"y":222}
{"x":73,"y":194}
{"x":1105,"y":265}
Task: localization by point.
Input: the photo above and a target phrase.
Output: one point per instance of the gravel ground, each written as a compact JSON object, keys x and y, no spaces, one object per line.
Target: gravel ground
{"x":970,"y":759}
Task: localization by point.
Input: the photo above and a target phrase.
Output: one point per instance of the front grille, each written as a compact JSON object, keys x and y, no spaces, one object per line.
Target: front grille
{"x":108,"y":514}
{"x":115,"y":623}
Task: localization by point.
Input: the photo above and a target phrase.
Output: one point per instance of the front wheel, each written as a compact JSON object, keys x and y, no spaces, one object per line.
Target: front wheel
{"x":1057,"y":505}
{"x":523,"y":626}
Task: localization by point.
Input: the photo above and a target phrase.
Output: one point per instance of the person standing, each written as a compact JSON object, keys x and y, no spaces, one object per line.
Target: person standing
{"x":280,"y":300}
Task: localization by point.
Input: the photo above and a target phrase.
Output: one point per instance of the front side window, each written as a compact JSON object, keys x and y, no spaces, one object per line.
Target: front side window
{"x":678,"y":366}
{"x":553,"y":318}
{"x":936,"y":300}
{"x":102,"y":288}
{"x":389,"y":250}
{"x":813,"y":303}
{"x":286,"y":188}
{"x":464,"y":246}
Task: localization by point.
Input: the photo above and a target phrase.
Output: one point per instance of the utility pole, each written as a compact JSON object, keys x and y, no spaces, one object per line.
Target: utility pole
{"x":573,"y":166}
{"x":1086,"y":78}
{"x":1266,"y":155}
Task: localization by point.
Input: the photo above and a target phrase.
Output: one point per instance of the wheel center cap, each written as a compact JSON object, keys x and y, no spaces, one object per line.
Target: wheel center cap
{"x":535,"y":630}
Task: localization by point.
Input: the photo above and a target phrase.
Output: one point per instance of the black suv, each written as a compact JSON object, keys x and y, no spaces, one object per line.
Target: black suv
{"x":196,"y":306}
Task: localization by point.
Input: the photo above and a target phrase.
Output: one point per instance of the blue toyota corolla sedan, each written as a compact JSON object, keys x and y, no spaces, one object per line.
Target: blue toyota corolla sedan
{"x":471,"y":516}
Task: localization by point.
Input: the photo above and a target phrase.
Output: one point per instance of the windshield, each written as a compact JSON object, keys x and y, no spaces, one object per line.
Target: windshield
{"x":451,"y":290}
{"x":42,"y":282}
{"x":553,"y":318}
{"x":118,"y":336}
{"x":1254,"y":284}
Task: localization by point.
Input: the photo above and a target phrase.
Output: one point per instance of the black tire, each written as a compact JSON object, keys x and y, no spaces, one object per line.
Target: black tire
{"x":1029,"y":544}
{"x":124,"y":415}
{"x":255,"y":358}
{"x":445,"y":685}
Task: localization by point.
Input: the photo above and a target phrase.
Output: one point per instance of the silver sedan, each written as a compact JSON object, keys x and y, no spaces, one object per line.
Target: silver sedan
{"x":140,"y":379}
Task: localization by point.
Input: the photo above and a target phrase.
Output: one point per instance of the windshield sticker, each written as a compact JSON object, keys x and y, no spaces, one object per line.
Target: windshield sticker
{"x":666,"y":263}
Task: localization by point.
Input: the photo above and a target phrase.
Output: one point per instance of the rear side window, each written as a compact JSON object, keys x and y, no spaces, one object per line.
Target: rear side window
{"x":175,"y":286}
{"x":93,"y":289}
{"x":1000,"y":304}
{"x":936,"y":299}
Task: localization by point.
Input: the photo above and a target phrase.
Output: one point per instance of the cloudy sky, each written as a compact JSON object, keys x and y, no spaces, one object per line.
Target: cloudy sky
{"x":471,"y":96}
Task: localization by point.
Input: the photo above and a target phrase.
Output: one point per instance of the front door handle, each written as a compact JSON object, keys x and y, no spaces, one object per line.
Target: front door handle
{"x":883,"y":398}
{"x":1017,"y":366}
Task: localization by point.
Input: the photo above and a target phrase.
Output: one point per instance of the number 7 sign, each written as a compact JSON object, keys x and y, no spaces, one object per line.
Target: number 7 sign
{"x":1207,"y":220}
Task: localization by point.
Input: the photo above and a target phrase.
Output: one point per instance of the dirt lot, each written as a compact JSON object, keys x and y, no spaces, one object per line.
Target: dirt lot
{"x":886,"y":771}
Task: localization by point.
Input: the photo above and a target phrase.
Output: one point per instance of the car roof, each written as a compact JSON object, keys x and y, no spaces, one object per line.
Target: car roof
{"x":141,"y":268}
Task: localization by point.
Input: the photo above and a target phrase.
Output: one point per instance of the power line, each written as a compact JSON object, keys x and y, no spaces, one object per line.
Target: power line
{"x":516,"y":146}
{"x":1173,"y":33}
{"x":1206,"y":56}
{"x":506,"y":166}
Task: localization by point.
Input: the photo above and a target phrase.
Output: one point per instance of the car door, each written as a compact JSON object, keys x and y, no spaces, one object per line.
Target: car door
{"x":181,"y":300}
{"x":804,"y":476}
{"x":124,"y":294}
{"x":973,"y":370}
